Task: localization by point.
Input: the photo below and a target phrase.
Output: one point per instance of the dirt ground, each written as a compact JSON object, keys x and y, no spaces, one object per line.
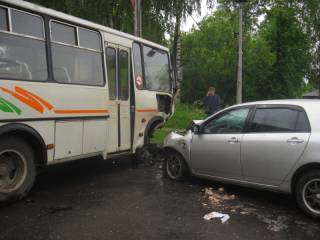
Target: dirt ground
{"x":95,"y":199}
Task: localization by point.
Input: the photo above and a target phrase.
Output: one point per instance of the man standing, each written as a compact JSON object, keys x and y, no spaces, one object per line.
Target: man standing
{"x":211,"y":102}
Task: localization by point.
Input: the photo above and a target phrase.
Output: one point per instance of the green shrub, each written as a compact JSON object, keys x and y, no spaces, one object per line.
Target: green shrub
{"x":180,"y":120}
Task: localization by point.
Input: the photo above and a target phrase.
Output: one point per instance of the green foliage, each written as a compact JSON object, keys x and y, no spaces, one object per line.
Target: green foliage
{"x":181,"y":119}
{"x":310,"y":14}
{"x":259,"y":60}
{"x":276,"y":56}
{"x":210,"y":58}
{"x":285,"y":36}
{"x":183,"y":115}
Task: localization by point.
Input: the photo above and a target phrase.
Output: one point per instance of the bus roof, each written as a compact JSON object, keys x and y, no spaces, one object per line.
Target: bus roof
{"x":76,"y":20}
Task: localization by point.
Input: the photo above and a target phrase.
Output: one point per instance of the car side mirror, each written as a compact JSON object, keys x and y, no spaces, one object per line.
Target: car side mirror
{"x":196,"y":129}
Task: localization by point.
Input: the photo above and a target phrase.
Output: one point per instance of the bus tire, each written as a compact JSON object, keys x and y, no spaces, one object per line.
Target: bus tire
{"x":17,"y":169}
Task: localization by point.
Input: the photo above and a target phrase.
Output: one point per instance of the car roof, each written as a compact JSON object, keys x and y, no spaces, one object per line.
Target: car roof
{"x":305,"y":103}
{"x":311,"y":107}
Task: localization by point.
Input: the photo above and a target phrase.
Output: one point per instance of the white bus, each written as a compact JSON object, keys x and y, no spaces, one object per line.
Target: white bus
{"x":72,"y":89}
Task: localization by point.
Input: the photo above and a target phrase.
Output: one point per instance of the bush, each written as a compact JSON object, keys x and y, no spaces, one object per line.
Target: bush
{"x":180,"y":120}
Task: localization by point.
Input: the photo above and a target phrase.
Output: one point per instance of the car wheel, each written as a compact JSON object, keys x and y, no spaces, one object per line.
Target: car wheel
{"x":175,"y":166}
{"x":17,"y":169}
{"x":308,"y":193}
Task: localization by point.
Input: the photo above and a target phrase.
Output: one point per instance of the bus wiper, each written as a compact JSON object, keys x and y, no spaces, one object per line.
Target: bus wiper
{"x":151,"y":53}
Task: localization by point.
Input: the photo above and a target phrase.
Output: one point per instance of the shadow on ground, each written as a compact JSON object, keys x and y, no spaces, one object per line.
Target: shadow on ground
{"x":95,"y":199}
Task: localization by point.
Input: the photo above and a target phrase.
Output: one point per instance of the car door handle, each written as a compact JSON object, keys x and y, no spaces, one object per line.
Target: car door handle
{"x":233,"y":140}
{"x":295,"y":140}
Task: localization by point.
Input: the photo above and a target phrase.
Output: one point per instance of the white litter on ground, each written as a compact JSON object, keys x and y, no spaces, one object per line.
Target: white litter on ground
{"x":223,"y":217}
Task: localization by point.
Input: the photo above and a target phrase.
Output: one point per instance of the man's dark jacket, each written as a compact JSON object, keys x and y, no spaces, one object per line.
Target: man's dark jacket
{"x":211,"y":103}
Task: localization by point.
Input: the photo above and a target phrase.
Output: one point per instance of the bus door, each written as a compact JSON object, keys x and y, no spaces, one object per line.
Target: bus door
{"x":118,"y":69}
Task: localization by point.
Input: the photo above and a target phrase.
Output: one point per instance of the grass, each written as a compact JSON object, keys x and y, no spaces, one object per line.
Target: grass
{"x":182,"y":117}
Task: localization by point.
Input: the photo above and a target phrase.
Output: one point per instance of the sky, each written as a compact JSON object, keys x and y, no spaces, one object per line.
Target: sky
{"x":191,"y":21}
{"x":196,"y":18}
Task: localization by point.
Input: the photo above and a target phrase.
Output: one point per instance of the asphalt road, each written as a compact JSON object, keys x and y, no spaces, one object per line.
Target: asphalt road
{"x":95,"y":199}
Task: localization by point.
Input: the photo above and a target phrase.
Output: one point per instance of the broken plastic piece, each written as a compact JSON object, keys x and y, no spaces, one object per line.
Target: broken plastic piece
{"x":223,"y":217}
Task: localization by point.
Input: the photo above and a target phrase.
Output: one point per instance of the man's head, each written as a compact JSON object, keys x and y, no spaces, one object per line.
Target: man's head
{"x":212,"y":90}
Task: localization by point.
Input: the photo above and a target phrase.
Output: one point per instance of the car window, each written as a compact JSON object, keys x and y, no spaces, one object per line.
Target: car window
{"x":4,"y":19}
{"x":279,"y":120}
{"x":302,"y":124}
{"x":230,"y":122}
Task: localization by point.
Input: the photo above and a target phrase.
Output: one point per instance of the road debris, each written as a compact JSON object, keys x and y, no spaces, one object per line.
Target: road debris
{"x":218,"y":197}
{"x":274,"y":225}
{"x":223,"y":217}
{"x":54,"y":210}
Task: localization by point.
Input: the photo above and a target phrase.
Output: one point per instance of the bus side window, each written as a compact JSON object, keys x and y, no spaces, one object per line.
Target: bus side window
{"x":137,"y":63}
{"x":111,"y":56}
{"x":22,"y":54}
{"x":89,"y":39}
{"x":76,"y":55}
{"x":123,"y":91}
{"x":63,"y":33}
{"x":27,"y":24}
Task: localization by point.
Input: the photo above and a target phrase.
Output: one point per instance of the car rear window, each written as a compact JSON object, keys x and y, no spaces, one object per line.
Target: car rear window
{"x":302,"y":124}
{"x":279,"y":120}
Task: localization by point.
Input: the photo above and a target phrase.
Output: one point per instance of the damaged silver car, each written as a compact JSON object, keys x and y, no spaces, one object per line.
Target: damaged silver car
{"x":274,"y":145}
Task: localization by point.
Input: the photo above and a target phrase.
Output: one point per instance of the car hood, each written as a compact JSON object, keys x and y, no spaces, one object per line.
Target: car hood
{"x":198,"y":122}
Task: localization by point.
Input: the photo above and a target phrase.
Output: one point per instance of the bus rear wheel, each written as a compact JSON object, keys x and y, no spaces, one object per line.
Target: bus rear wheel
{"x":17,"y":169}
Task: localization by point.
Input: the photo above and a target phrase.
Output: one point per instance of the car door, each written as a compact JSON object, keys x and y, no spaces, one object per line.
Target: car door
{"x":215,"y":150}
{"x":276,"y":140}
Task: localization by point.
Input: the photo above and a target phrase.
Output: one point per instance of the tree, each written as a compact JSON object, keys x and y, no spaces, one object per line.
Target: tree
{"x":276,"y":57}
{"x":259,"y":60}
{"x":310,"y":15}
{"x":284,"y":34}
{"x":210,"y":58}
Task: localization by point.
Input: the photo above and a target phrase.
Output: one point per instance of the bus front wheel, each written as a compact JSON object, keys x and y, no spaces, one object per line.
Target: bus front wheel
{"x":17,"y":169}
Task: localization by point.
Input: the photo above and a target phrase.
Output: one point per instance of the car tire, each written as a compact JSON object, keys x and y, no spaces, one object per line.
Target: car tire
{"x":175,"y":166}
{"x":17,"y":169}
{"x":308,"y":193}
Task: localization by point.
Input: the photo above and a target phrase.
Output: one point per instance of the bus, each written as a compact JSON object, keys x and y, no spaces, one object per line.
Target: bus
{"x":72,"y":89}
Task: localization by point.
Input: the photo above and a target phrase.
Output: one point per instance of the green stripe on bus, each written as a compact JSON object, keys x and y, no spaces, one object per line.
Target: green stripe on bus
{"x":6,"y":106}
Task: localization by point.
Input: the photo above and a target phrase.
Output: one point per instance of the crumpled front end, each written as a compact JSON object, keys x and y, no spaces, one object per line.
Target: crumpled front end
{"x":179,"y":142}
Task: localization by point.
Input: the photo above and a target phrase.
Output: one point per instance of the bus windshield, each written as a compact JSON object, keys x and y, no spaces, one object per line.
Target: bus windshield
{"x":156,"y":64}
{"x":156,"y":68}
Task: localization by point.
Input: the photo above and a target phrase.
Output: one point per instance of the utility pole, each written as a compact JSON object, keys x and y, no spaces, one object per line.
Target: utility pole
{"x":137,"y":18}
{"x":240,"y":53}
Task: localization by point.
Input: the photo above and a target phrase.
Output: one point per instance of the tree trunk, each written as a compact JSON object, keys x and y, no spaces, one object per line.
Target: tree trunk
{"x":177,"y":33}
{"x":177,"y":51}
